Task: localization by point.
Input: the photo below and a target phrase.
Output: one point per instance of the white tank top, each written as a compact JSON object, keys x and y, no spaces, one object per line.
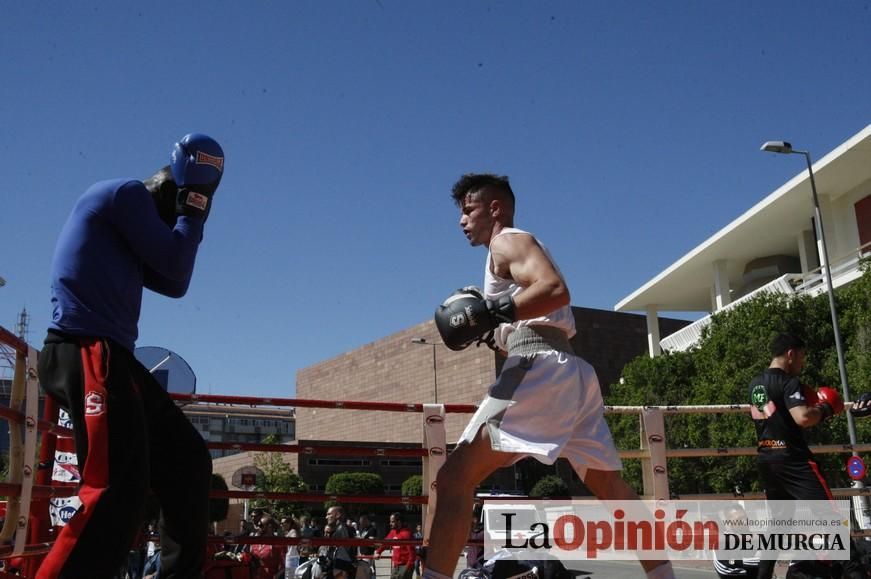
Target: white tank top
{"x":496,"y":287}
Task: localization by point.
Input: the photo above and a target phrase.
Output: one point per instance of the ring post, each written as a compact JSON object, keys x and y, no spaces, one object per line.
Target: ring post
{"x":435,"y":443}
{"x":654,"y":468}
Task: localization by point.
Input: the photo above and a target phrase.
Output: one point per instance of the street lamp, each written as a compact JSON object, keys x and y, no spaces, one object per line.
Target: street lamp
{"x":435,"y":375}
{"x":2,"y":281}
{"x":785,"y":148}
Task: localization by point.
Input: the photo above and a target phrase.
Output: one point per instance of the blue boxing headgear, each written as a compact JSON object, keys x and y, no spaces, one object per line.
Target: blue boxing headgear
{"x":197,"y":163}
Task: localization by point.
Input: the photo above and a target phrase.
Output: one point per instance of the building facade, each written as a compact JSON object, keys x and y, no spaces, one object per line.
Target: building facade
{"x":774,"y":246}
{"x":223,"y":423}
{"x":400,"y":368}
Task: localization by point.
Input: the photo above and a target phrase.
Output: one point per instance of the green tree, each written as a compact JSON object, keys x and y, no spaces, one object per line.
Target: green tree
{"x":278,"y":477}
{"x":353,"y":483}
{"x":718,"y":370}
{"x":550,"y":486}
{"x":412,"y":487}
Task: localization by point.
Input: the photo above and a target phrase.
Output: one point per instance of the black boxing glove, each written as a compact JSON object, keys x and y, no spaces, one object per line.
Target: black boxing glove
{"x":466,"y":317}
{"x":862,"y":407}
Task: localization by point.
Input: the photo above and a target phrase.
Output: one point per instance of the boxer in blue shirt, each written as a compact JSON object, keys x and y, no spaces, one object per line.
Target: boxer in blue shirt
{"x":124,"y":236}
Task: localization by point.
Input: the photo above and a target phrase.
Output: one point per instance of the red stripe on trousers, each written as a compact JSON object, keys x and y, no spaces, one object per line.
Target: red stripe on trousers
{"x":817,"y":472}
{"x":95,"y":475}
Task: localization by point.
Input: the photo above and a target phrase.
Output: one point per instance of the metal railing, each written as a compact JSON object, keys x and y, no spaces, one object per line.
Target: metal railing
{"x":689,"y":336}
{"x":845,"y":269}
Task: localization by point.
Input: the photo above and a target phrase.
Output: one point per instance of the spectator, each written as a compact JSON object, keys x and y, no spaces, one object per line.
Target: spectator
{"x":246,"y":529}
{"x":306,"y":531}
{"x":290,"y":528}
{"x":344,"y":558}
{"x":151,"y":570}
{"x":366,"y":562}
{"x":254,"y":518}
{"x":726,"y":567}
{"x":269,"y":559}
{"x":402,"y":556}
{"x":417,"y":536}
{"x":366,"y":530}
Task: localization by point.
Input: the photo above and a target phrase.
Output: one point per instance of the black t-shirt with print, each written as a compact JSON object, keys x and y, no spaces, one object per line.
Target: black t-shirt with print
{"x":772,"y":394}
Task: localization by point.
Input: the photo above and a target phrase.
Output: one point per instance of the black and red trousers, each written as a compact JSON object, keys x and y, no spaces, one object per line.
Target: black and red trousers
{"x":130,"y":438}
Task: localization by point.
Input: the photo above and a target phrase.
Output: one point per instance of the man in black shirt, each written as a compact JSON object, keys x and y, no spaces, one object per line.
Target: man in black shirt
{"x":781,"y":407}
{"x":366,"y":564}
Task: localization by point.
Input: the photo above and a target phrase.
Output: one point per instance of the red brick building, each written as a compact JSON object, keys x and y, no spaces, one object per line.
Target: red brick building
{"x":395,"y":369}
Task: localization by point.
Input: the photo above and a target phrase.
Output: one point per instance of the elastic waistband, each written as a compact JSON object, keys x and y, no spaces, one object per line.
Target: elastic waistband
{"x":57,"y":337}
{"x":54,"y":336}
{"x":527,"y":340}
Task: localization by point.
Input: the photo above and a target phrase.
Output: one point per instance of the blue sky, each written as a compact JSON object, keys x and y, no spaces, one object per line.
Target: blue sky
{"x":630,"y":131}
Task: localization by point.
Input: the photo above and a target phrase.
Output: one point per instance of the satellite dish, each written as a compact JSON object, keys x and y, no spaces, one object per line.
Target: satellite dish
{"x":169,"y":369}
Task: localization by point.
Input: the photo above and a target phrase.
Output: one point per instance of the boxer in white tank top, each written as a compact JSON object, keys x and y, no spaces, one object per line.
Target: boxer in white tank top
{"x":546,"y":402}
{"x":496,"y":287}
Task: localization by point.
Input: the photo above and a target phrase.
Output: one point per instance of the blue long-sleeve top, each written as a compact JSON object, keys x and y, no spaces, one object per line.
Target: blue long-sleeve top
{"x":112,"y":246}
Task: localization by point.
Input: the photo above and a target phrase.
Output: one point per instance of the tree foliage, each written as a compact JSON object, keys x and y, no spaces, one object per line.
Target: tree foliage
{"x":353,"y":483}
{"x":732,"y":350}
{"x":278,"y":477}
{"x":412,"y":486}
{"x":550,"y":486}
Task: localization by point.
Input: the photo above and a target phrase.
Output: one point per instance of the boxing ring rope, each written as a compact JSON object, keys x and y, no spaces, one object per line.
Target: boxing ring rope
{"x":319,"y":449}
{"x":253,"y":401}
{"x":23,"y":487}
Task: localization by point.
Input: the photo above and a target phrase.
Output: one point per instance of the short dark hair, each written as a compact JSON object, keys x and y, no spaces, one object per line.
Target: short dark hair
{"x":783,"y":342}
{"x":488,"y":184}
{"x":398,"y":516}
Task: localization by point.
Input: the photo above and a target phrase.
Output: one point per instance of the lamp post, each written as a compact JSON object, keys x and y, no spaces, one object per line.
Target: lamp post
{"x":435,"y":375}
{"x":785,"y":148}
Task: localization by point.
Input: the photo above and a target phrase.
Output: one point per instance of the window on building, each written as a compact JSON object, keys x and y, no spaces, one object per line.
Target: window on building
{"x":863,"y":222}
{"x":339,"y":462}
{"x":402,"y":462}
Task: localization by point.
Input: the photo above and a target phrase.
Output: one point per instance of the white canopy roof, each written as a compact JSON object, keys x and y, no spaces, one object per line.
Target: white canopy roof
{"x":768,"y":228}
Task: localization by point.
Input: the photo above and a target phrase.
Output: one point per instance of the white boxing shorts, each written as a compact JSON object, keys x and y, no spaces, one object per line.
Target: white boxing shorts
{"x":547,"y":404}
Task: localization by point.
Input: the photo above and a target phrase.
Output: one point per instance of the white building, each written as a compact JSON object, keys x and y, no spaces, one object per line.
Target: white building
{"x":771,"y":247}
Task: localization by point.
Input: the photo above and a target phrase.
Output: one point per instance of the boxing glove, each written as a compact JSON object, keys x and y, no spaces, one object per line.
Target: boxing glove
{"x":466,"y":317}
{"x":862,"y":407}
{"x":197,"y":164}
{"x":829,"y":402}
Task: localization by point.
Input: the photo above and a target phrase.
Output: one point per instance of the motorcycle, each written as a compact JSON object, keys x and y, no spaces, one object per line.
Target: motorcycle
{"x":321,"y":567}
{"x":503,"y":566}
